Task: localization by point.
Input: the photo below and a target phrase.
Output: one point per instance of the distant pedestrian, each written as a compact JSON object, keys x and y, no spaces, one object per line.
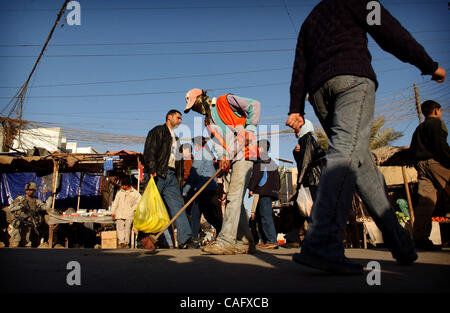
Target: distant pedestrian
{"x":265,"y":182}
{"x":431,"y":153}
{"x":333,"y":65}
{"x":310,"y":159}
{"x":206,"y":202}
{"x":188,"y":158}
{"x":122,"y":211}
{"x":26,"y":217}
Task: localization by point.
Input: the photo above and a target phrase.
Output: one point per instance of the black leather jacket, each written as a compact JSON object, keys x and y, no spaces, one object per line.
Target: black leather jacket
{"x":310,"y":161}
{"x":157,"y":152}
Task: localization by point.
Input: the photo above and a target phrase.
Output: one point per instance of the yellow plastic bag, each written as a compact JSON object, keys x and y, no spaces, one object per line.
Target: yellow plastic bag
{"x":151,"y":214}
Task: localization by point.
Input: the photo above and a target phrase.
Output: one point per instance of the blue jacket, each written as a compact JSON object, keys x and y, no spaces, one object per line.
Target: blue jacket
{"x":265,"y":179}
{"x":202,"y":169}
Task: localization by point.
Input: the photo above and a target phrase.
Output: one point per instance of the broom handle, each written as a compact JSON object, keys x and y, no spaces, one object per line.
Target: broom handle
{"x":187,"y":204}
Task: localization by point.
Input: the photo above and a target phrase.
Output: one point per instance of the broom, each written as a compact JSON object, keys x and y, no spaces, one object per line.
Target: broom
{"x":154,"y":239}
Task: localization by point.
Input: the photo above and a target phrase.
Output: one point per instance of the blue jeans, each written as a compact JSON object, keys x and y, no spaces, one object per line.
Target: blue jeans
{"x":264,"y":218}
{"x":235,"y":228}
{"x":345,"y":108}
{"x":170,"y":191}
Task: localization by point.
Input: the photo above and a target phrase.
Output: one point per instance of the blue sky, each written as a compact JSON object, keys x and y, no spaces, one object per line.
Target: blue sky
{"x":129,"y":62}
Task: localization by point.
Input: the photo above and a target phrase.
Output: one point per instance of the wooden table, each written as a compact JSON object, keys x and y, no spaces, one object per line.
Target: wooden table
{"x":56,"y":219}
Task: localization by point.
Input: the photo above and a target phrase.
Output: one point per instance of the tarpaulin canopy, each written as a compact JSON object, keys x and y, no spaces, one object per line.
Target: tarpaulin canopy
{"x":13,"y":185}
{"x":79,"y":174}
{"x":69,"y":162}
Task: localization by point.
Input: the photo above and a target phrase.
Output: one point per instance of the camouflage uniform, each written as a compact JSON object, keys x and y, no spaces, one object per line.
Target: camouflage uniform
{"x":25,"y":215}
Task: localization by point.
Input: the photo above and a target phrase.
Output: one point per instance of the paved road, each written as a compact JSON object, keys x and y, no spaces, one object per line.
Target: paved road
{"x":192,"y":271}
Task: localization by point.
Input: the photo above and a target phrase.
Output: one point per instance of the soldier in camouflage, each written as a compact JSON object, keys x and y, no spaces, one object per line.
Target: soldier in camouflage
{"x":25,"y":216}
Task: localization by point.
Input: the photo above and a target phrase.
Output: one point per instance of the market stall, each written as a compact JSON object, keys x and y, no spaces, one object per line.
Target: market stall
{"x":54,"y":220}
{"x":103,"y":166}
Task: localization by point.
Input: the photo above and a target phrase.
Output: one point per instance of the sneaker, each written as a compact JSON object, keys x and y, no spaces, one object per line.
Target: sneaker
{"x":426,"y":245}
{"x":270,"y":246}
{"x":344,"y":267}
{"x":218,"y":249}
{"x":190,"y":244}
{"x":239,"y":248}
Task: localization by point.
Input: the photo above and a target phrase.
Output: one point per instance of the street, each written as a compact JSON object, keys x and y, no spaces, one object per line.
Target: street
{"x":26,"y":270}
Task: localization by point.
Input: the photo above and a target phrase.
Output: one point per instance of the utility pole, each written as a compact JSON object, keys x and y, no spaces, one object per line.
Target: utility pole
{"x":419,"y":109}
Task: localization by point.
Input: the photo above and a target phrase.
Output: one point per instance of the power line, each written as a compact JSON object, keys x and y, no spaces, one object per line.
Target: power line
{"x":154,"y":93}
{"x":151,"y":54}
{"x":145,"y":43}
{"x":258,"y":6}
{"x":158,"y":78}
{"x":177,"y":53}
{"x":149,"y":42}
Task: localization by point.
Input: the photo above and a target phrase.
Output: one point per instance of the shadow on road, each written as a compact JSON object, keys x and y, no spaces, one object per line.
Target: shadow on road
{"x":191,"y":271}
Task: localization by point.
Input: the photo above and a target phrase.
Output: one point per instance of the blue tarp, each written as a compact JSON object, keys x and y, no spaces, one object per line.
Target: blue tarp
{"x":13,"y":185}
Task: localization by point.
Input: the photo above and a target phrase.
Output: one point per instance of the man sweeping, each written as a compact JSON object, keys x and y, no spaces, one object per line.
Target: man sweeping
{"x":231,"y":122}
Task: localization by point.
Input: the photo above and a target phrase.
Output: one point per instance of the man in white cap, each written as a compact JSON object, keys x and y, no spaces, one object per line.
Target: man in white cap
{"x":231,"y":121}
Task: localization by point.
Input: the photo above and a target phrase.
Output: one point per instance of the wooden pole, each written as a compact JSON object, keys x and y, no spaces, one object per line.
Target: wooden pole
{"x":408,"y":196}
{"x":187,"y":204}
{"x":139,"y":173}
{"x":54,"y":182}
{"x":418,"y":108}
{"x":54,"y":185}
{"x":79,"y":190}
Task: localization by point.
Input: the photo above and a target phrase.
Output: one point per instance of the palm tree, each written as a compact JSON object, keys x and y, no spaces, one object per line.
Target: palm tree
{"x":378,"y":138}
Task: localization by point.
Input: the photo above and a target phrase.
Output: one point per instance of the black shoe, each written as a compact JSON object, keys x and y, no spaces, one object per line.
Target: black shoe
{"x":426,"y":245}
{"x":344,"y":267}
{"x":190,"y":244}
{"x":289,"y":245}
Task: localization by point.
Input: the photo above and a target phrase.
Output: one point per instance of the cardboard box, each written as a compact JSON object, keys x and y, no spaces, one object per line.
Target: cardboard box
{"x":109,"y":239}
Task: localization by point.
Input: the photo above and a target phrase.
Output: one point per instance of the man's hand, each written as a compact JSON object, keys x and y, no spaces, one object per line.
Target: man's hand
{"x":295,"y":121}
{"x":152,"y":175}
{"x":224,"y":164}
{"x":245,"y":137}
{"x":438,"y":75}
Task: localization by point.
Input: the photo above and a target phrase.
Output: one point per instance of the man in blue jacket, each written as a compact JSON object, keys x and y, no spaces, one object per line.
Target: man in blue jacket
{"x":265,"y":182}
{"x":207,"y":202}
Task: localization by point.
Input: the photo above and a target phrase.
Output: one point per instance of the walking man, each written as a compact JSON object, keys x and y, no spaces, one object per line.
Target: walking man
{"x":332,"y":65}
{"x":431,"y":152}
{"x":163,"y":162}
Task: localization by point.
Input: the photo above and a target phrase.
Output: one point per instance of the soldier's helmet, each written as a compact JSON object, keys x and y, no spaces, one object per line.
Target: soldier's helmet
{"x":31,"y":186}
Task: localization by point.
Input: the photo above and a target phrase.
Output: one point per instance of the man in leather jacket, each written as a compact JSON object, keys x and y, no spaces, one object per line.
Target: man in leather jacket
{"x":163,"y":162}
{"x":310,"y":159}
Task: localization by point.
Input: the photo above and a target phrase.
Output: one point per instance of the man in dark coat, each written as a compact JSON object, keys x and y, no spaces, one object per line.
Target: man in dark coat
{"x":333,"y":65}
{"x":163,"y":162}
{"x":265,"y":182}
{"x":430,"y":150}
